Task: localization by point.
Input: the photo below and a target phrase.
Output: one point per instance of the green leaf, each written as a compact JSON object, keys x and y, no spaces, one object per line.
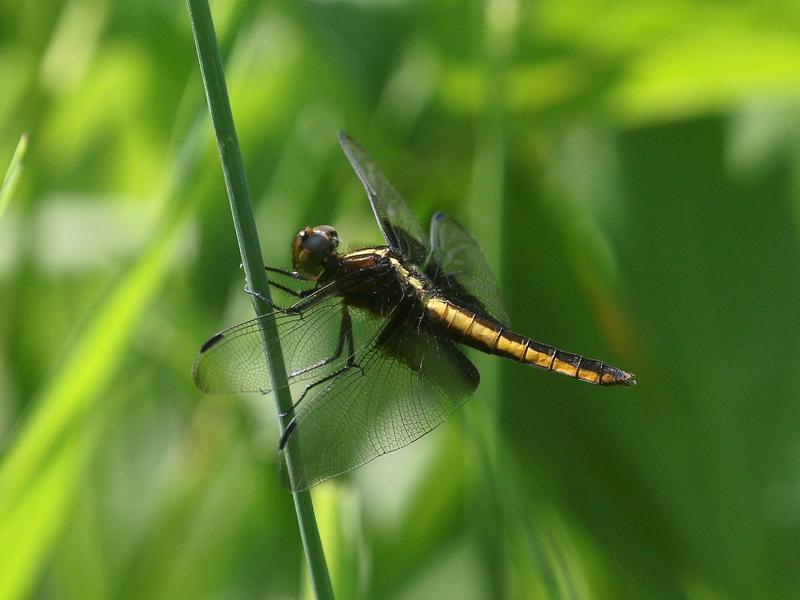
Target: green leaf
{"x":12,"y":173}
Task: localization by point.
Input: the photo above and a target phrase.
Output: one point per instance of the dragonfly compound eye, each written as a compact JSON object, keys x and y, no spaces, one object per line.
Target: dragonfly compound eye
{"x":312,"y":248}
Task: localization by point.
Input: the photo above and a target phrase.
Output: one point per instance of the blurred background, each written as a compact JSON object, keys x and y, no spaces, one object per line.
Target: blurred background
{"x":632,"y":171}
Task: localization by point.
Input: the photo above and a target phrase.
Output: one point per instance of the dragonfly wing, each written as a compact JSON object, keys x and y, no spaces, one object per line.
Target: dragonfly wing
{"x":310,"y":334}
{"x":398,"y":224}
{"x":403,"y":386}
{"x":458,"y":267}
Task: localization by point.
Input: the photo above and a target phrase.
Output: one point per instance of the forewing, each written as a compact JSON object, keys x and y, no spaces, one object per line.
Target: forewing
{"x":398,"y":224}
{"x":458,"y":267}
{"x":234,"y":360}
{"x":400,"y":389}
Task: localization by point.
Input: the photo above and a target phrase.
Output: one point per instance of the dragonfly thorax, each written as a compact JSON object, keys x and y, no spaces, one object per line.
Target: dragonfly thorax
{"x":313,"y":249}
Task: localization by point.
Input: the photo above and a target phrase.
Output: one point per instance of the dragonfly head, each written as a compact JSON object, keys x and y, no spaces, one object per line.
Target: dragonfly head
{"x":312,"y":249}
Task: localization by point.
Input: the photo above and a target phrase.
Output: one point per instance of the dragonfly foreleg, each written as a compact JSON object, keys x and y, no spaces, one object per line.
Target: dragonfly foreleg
{"x":286,"y":289}
{"x":263,"y":298}
{"x":292,"y":274}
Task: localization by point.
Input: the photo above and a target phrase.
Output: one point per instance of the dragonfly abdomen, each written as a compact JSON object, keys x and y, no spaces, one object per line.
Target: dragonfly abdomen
{"x":470,"y":329}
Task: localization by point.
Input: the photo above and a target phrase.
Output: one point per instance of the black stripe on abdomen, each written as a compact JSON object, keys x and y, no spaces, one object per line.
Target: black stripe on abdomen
{"x":467,"y":328}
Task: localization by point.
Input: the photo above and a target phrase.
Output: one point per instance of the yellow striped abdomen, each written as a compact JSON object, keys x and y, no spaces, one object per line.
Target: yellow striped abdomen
{"x":473,"y":330}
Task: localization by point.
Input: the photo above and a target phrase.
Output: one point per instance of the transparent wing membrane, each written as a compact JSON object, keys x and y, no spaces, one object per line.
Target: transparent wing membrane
{"x":399,"y":389}
{"x":458,"y":267}
{"x":398,"y":224}
{"x":310,"y":333}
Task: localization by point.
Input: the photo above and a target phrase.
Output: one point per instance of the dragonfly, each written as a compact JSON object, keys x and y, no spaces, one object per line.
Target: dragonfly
{"x":372,"y":336}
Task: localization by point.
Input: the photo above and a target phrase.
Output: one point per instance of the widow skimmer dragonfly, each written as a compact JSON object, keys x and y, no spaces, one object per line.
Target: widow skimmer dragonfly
{"x":374,"y":339}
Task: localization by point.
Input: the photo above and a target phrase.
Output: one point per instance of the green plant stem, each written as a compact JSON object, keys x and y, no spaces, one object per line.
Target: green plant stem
{"x":252,"y":263}
{"x":14,"y":169}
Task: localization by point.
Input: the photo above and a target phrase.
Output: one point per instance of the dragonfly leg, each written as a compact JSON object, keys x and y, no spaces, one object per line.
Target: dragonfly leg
{"x":345,"y":335}
{"x":286,"y":289}
{"x":292,"y":274}
{"x":293,"y":423}
{"x":262,"y":298}
{"x":286,"y":433}
{"x":297,"y":293}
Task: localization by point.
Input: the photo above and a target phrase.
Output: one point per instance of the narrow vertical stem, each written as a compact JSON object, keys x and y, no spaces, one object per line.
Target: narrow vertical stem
{"x":14,"y":168}
{"x":250,"y":248}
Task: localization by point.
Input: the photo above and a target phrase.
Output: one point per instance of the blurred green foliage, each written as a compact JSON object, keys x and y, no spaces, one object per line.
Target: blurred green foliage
{"x":631,"y":169}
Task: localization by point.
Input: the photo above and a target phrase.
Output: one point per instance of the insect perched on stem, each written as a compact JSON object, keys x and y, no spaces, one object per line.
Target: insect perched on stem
{"x":374,"y":341}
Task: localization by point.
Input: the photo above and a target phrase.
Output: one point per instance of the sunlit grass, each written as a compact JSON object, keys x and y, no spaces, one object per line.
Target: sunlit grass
{"x":12,"y":174}
{"x":40,"y":474}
